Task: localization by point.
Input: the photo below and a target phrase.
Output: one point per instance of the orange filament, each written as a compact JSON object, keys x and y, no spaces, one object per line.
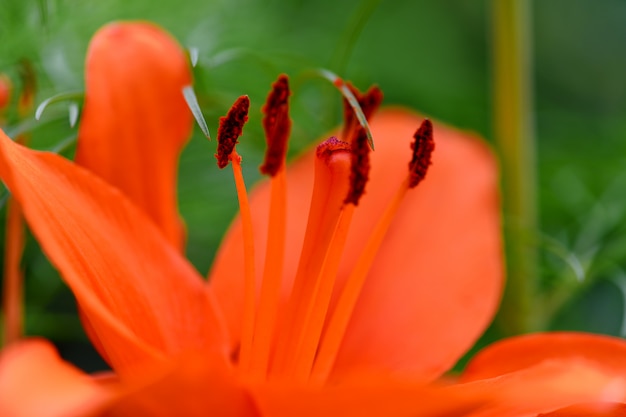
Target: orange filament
{"x":272,"y":275}
{"x":336,"y":328}
{"x":315,"y":317}
{"x":330,"y":187}
{"x":14,"y":243}
{"x":247,"y":332}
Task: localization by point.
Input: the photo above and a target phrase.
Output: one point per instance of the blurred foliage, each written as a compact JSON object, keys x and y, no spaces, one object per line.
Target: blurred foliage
{"x":433,"y":56}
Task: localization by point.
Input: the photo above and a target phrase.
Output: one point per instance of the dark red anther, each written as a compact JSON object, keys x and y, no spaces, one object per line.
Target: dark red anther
{"x":359,"y":167}
{"x":369,"y":102}
{"x":423,"y":147}
{"x":277,"y":126}
{"x":231,"y":127}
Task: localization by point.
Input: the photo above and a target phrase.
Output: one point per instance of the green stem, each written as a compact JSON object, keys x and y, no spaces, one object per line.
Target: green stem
{"x":513,"y":129}
{"x":354,"y":27}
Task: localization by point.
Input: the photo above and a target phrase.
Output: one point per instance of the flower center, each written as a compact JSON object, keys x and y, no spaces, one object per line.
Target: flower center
{"x":298,"y":340}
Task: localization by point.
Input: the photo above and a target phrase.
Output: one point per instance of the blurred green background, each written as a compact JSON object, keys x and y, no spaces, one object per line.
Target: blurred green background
{"x":433,"y":56}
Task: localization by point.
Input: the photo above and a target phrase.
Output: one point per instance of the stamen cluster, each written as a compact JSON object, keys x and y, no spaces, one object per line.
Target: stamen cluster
{"x":303,"y":344}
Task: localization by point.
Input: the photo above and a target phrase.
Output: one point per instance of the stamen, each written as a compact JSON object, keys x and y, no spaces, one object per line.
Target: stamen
{"x":423,"y":147}
{"x":359,"y":167}
{"x":277,"y":127}
{"x":231,"y":127}
{"x":329,"y":190}
{"x":369,"y":101}
{"x":338,"y":323}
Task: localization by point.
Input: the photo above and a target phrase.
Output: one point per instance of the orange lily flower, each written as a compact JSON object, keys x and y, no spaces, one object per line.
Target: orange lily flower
{"x":427,"y":264}
{"x":170,"y":337}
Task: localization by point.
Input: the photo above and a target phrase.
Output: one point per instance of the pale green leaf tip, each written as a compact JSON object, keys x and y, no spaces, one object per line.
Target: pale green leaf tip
{"x":194,"y":54}
{"x":41,"y":108}
{"x":72,"y":111}
{"x":55,"y":99}
{"x":192,"y":102}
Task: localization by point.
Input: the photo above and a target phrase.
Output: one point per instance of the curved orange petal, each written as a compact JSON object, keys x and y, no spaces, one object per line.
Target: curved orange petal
{"x":192,"y":385}
{"x":36,"y":382}
{"x":549,"y":386}
{"x":140,"y":296}
{"x":521,"y":352}
{"x":135,"y":120}
{"x":436,"y":280}
{"x":590,"y":409}
{"x":367,"y":398}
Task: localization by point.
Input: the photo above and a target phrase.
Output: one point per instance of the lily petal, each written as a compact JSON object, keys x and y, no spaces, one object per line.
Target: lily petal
{"x":590,"y":409}
{"x":550,"y":386}
{"x":141,"y":298}
{"x":521,"y":352}
{"x":436,"y":281}
{"x":36,"y":382}
{"x":135,"y":120}
{"x":364,"y":399}
{"x":192,"y":385}
{"x":543,"y":372}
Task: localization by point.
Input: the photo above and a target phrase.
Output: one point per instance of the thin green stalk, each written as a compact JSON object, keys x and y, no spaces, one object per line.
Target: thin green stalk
{"x":354,"y":27}
{"x":513,"y":129}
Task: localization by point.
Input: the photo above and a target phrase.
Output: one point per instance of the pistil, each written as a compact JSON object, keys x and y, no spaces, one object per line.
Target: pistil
{"x":316,"y":313}
{"x":332,"y":165}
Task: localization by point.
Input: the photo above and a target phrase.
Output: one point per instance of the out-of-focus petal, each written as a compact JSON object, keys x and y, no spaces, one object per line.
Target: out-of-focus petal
{"x":192,"y":385}
{"x":367,"y":398}
{"x":436,"y":281}
{"x":140,"y":296}
{"x":522,"y":352}
{"x":549,"y":386}
{"x":36,"y":382}
{"x":590,"y":409}
{"x":135,"y":120}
